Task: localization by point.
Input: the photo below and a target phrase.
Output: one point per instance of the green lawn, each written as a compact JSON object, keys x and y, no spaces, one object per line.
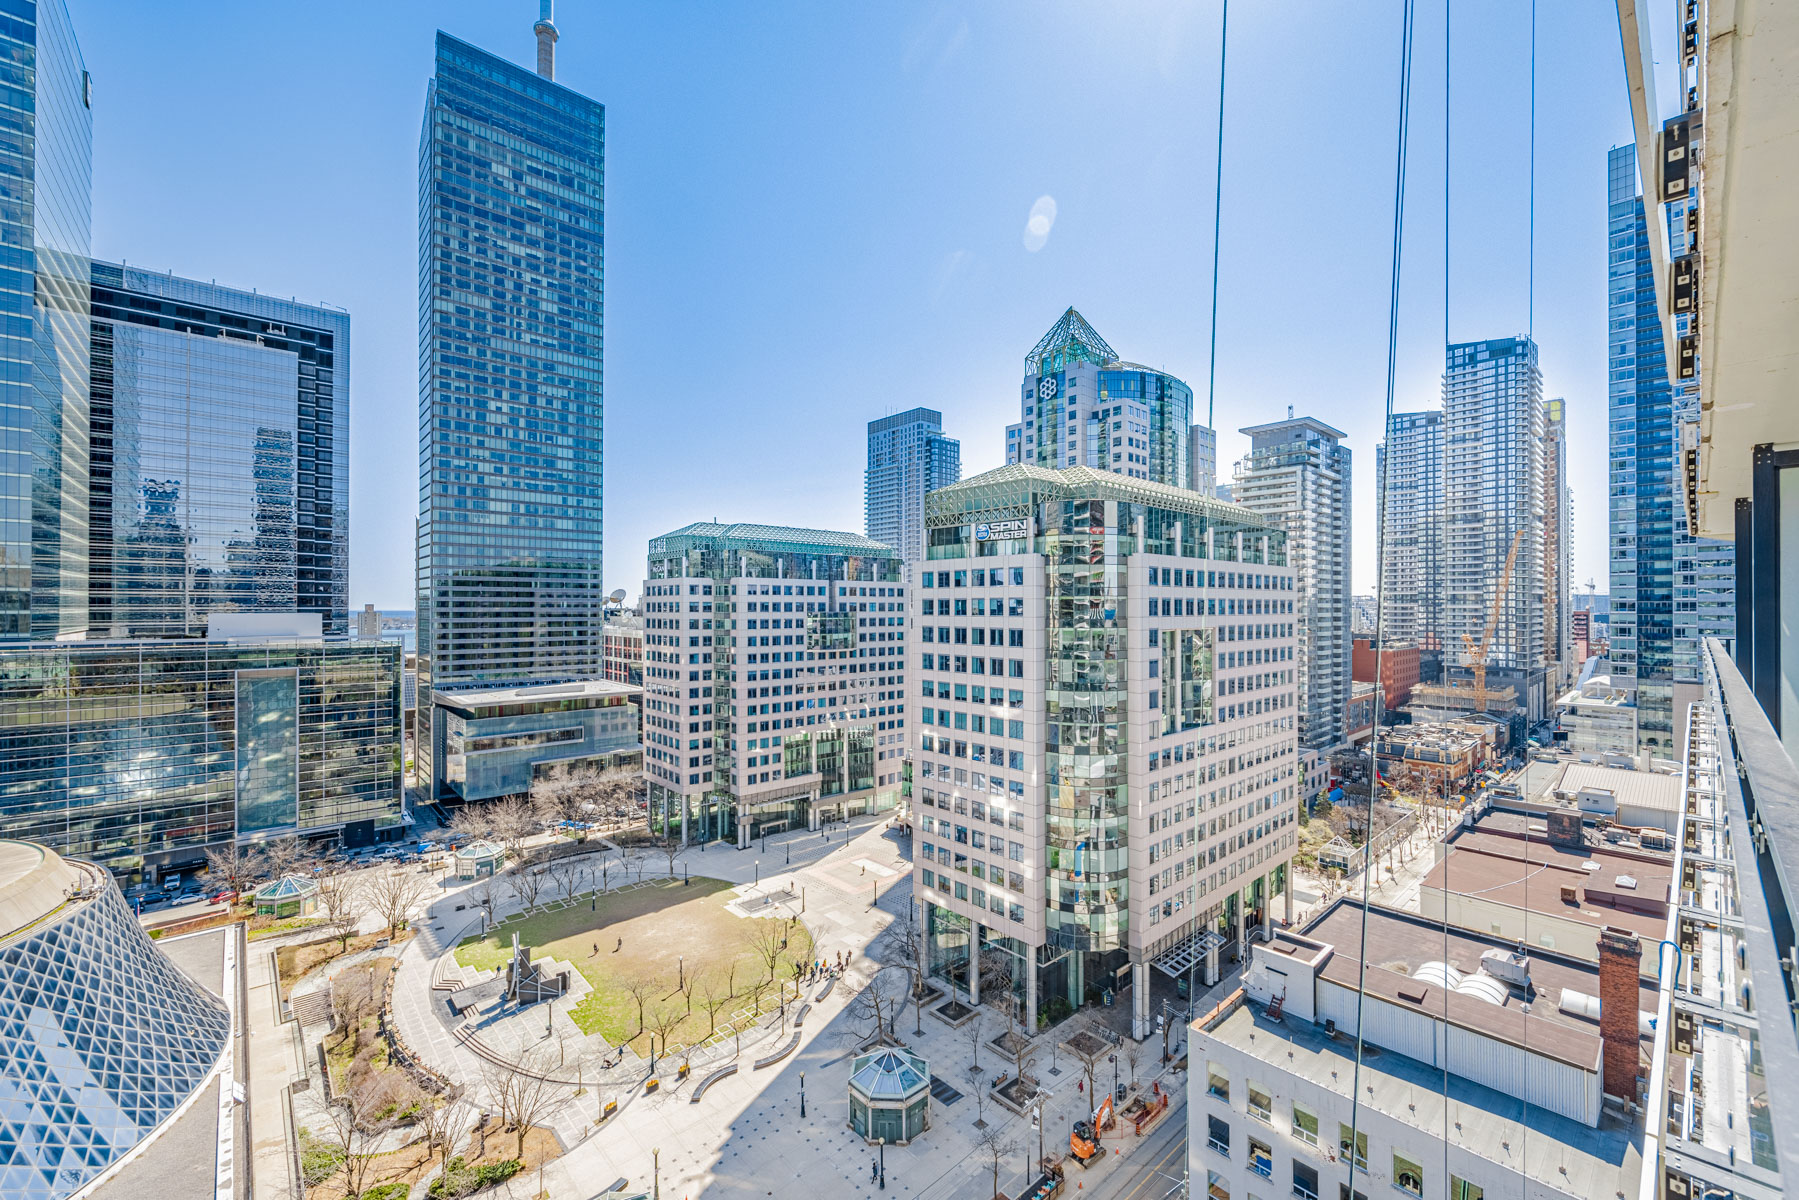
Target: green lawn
{"x":668,"y":932}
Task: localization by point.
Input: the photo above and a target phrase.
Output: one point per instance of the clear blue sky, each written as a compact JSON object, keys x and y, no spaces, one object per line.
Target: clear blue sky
{"x":816,"y":216}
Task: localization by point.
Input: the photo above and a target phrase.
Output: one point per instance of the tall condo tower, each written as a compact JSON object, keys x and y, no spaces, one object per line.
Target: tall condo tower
{"x":1558,"y":536}
{"x":1408,"y":469}
{"x":908,"y":457}
{"x":1083,"y":406}
{"x":511,"y":267}
{"x":1493,"y":498}
{"x":47,"y":157}
{"x":1297,"y":474}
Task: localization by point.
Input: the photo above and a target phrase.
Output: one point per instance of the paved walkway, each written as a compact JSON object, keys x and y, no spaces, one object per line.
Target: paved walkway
{"x":746,"y":1138}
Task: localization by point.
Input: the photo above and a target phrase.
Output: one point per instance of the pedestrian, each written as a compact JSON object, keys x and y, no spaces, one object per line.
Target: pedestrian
{"x":873,"y":1171}
{"x":620,"y":946}
{"x":596,"y":951}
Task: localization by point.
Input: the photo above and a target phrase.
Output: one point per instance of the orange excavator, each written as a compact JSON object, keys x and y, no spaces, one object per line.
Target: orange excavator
{"x":1083,"y":1140}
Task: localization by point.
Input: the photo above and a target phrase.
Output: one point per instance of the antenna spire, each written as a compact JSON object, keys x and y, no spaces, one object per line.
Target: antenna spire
{"x":545,"y":29}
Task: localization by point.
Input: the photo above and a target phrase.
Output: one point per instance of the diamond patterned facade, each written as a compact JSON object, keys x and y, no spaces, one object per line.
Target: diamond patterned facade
{"x":104,"y":1038}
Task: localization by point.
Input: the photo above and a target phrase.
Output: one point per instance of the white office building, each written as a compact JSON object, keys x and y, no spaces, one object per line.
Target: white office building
{"x":774,"y":678}
{"x":1202,"y":460}
{"x":1104,"y":740}
{"x":1298,"y":473}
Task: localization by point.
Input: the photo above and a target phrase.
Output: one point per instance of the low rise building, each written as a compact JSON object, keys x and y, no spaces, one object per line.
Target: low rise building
{"x":1598,"y":716}
{"x":622,"y":651}
{"x":1358,"y":717}
{"x":142,"y":754}
{"x":1399,"y":665}
{"x":498,"y":741}
{"x":1441,"y":757}
{"x":1481,"y":1069}
{"x":1105,"y":739}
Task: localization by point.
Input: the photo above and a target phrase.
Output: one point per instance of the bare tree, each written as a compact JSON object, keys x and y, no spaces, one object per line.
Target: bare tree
{"x":1090,"y":1052}
{"x":908,"y":940}
{"x":671,"y":848}
{"x":981,"y":1095}
{"x":974,"y":1032}
{"x":487,"y":895}
{"x":512,"y":821}
{"x":352,"y":1000}
{"x":769,"y":942}
{"x":634,"y":860}
{"x":566,"y":875}
{"x":876,"y":1007}
{"x":339,"y":908}
{"x":357,"y":1118}
{"x":640,"y":989}
{"x":1133,"y":1054}
{"x":604,"y":863}
{"x":664,"y":1020}
{"x":232,"y":866}
{"x":995,"y":1146}
{"x":525,"y":882}
{"x":395,"y":896}
{"x":283,"y":856}
{"x":714,"y":995}
{"x":471,"y":822}
{"x":686,"y":984}
{"x":444,"y":1122}
{"x":526,"y":1096}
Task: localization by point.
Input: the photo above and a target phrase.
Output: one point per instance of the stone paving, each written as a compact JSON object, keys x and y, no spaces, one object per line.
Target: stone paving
{"x":746,"y":1137}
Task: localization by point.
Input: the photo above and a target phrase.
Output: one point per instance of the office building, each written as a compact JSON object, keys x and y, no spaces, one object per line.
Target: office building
{"x":1596,"y":716}
{"x":1202,"y":460}
{"x":510,"y":404}
{"x":774,"y":679}
{"x":219,"y":476}
{"x":1408,"y":466}
{"x":908,"y":457}
{"x":107,"y":1039}
{"x":47,"y":154}
{"x":1297,"y":474}
{"x":368,"y":624}
{"x":1493,"y":439}
{"x":498,"y":741}
{"x":1105,"y":741}
{"x":140,"y":754}
{"x":1084,"y":406}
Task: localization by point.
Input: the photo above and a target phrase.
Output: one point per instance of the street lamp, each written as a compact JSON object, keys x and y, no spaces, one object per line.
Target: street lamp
{"x":1113,"y":1059}
{"x":882,"y":1144}
{"x":656,"y":1161}
{"x":802,"y":1095}
{"x":758,"y":878}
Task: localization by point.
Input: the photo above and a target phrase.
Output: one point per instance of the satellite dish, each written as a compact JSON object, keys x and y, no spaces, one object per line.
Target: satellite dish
{"x":618,"y":597}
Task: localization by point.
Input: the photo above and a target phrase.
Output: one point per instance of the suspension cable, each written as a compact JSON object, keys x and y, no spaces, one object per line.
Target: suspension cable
{"x":1224,"y":25}
{"x":1405,"y":104}
{"x":1448,"y":121}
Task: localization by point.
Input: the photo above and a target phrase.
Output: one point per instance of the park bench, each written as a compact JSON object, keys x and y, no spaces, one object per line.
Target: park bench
{"x":711,"y":1079}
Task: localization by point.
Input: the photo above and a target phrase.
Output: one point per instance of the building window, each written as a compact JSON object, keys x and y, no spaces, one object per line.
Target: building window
{"x":1260,"y":1106}
{"x":1407,"y":1174}
{"x":1261,"y":1159}
{"x":1218,"y":1082}
{"x":1305,"y":1182}
{"x":1461,"y":1189}
{"x":1218,"y":1135}
{"x":1344,"y":1133}
{"x":1305,"y":1124}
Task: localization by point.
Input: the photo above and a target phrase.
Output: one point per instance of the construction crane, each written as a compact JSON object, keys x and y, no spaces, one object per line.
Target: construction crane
{"x":1477,"y":654}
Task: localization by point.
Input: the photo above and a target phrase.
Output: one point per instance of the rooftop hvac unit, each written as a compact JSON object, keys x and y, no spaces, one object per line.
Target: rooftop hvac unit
{"x":1511,"y":967}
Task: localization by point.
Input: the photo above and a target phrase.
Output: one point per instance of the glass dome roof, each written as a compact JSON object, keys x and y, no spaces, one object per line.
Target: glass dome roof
{"x":889,"y":1075}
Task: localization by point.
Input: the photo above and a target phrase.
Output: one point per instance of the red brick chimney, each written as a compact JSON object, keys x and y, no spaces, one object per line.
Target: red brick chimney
{"x":1620,"y":961}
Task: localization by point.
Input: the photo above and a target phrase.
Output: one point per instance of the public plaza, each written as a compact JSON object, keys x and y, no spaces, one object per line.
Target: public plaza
{"x":723,"y":1117}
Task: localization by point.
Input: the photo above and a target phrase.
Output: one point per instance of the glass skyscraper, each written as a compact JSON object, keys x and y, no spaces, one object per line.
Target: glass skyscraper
{"x":1669,"y":590}
{"x":908,"y":458}
{"x":511,"y":202}
{"x":220,"y":465}
{"x":46,"y":154}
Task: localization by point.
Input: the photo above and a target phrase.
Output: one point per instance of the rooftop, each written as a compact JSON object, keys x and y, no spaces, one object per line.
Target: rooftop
{"x":526,"y":694}
{"x":1639,"y":789}
{"x":1598,"y":1162}
{"x":35,"y":881}
{"x":780,"y":537}
{"x":1495,"y":861}
{"x":947,"y":506}
{"x":1400,"y":944}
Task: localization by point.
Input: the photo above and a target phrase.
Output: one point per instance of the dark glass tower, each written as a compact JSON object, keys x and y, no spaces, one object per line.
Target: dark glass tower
{"x":219,"y":456}
{"x":46,"y":154}
{"x":511,"y":200}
